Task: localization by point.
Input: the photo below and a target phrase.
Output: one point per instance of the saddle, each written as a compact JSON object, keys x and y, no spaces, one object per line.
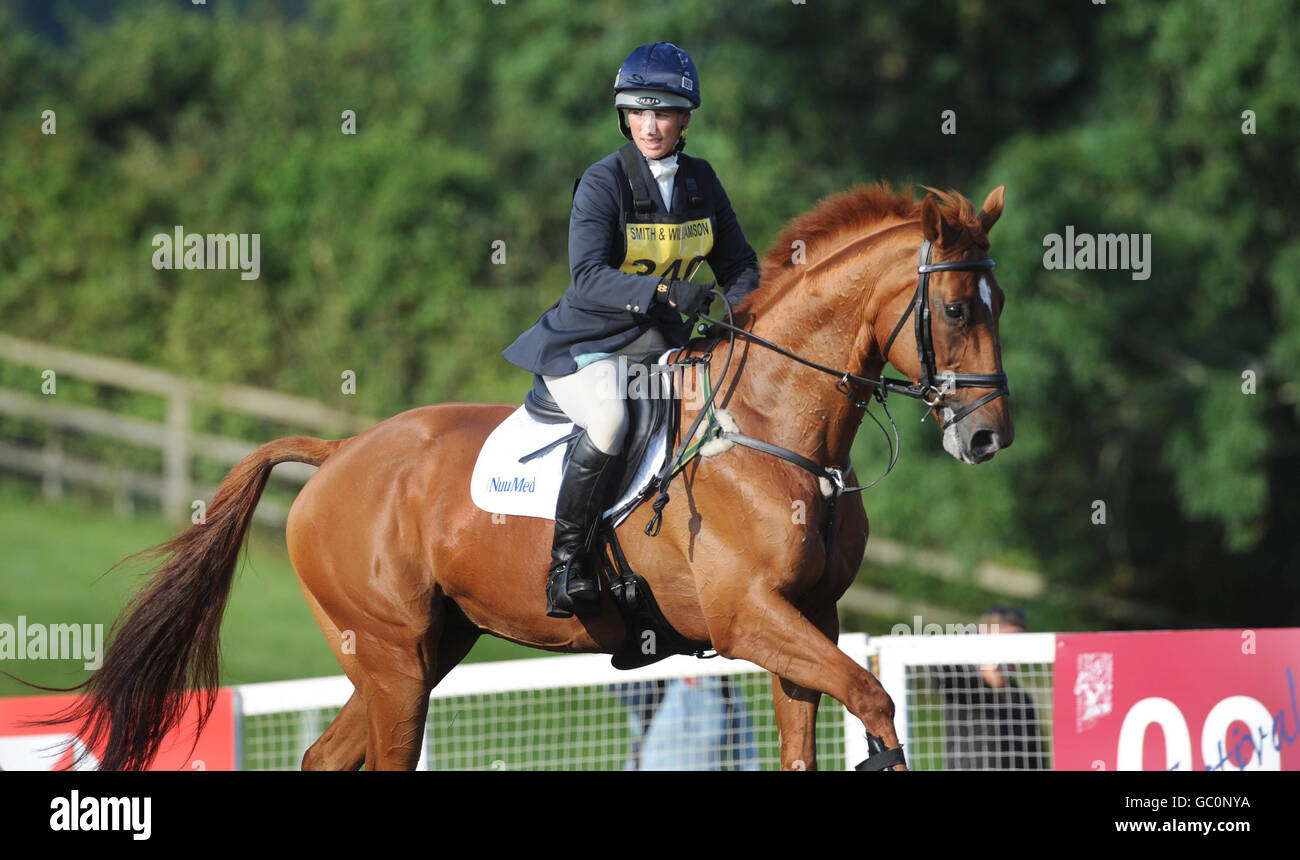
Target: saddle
{"x":650,"y":638}
{"x":648,"y":411}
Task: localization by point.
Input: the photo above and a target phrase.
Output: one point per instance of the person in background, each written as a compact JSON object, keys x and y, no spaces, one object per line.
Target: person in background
{"x":688,"y":724}
{"x":642,"y":700}
{"x":990,"y":722}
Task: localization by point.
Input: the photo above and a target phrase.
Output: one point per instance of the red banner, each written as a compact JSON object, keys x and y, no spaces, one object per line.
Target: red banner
{"x":55,"y":747}
{"x":1178,"y":700}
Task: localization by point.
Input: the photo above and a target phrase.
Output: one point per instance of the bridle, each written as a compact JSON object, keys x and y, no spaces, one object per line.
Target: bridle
{"x":932,"y":388}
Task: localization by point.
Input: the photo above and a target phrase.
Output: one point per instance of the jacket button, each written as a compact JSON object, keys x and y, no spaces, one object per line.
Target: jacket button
{"x":637,"y":309}
{"x":629,"y":307}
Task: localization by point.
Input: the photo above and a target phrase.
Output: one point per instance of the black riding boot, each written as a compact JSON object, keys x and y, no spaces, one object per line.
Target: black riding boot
{"x":573,"y":584}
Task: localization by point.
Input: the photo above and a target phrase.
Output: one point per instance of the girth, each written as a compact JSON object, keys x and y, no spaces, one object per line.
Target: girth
{"x":650,"y":636}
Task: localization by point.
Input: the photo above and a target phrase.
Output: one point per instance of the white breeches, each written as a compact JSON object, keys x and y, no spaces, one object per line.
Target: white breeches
{"x":595,"y":396}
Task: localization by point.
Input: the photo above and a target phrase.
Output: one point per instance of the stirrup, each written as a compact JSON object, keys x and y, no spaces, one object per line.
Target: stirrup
{"x":558,"y":602}
{"x":880,"y":758}
{"x":561,"y":603}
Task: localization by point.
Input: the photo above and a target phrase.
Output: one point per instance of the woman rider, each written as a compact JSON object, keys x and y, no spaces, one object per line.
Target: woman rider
{"x":644,"y":218}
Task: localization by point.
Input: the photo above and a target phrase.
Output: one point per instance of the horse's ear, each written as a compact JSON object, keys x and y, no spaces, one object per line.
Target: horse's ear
{"x":931,"y":219}
{"x":933,"y":227}
{"x":992,"y":208}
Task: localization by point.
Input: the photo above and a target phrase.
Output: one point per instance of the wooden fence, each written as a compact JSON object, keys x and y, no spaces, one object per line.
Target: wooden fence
{"x":175,"y":488}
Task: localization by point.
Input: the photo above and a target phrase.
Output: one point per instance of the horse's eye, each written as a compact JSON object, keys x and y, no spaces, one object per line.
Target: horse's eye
{"x":956,"y":313}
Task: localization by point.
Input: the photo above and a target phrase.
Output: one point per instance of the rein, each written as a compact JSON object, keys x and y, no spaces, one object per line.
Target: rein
{"x":926,"y":390}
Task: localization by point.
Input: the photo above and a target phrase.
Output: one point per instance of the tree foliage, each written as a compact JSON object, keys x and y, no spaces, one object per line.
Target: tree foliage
{"x":473,"y":117}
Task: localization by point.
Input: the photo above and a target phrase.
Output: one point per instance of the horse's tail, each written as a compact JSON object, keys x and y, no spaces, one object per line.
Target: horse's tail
{"x":166,"y":645}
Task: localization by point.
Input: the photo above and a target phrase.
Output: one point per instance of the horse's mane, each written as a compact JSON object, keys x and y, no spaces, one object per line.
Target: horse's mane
{"x":853,"y":211}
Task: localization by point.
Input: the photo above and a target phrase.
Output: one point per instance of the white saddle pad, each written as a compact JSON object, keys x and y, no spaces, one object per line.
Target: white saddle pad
{"x":503,"y":485}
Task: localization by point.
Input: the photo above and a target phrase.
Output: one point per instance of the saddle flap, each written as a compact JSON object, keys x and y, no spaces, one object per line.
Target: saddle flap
{"x":506,"y":481}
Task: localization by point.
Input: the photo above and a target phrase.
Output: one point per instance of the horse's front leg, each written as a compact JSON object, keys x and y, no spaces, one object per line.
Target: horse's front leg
{"x":796,"y":722}
{"x":763,"y":628}
{"x":796,"y":710}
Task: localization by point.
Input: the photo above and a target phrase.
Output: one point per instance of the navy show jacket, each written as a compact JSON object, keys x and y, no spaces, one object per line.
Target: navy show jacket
{"x":606,"y":307}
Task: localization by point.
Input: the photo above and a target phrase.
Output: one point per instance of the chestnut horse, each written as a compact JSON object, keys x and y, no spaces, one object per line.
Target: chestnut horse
{"x":403,"y":573}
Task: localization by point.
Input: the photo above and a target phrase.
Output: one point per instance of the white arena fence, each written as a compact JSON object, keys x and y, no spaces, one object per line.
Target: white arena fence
{"x":577,"y":712}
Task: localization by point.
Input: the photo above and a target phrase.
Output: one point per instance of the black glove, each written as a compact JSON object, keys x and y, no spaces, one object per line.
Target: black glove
{"x":689,"y":297}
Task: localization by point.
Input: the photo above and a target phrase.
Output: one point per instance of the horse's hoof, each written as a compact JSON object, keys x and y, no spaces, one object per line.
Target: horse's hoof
{"x":880,"y":758}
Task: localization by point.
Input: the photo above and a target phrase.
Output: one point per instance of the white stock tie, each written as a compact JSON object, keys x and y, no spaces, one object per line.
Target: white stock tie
{"x":664,"y":170}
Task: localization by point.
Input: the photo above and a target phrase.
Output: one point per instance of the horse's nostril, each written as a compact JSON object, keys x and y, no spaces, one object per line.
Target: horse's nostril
{"x":984,"y":442}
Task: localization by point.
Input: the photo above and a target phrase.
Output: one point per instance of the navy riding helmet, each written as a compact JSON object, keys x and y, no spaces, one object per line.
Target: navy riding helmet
{"x":654,"y":77}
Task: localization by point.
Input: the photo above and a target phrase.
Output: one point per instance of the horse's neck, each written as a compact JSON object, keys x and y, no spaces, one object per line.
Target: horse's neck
{"x":823,"y":315}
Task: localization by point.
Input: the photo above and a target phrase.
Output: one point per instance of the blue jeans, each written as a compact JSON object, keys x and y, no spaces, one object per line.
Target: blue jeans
{"x":701,"y":724}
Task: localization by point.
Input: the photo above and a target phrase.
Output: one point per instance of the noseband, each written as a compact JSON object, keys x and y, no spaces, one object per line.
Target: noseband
{"x":932,"y":388}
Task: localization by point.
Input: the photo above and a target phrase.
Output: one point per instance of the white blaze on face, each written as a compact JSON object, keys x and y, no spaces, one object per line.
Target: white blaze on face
{"x":951,"y":442}
{"x":986,"y":294}
{"x":951,"y":439}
